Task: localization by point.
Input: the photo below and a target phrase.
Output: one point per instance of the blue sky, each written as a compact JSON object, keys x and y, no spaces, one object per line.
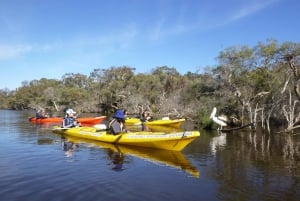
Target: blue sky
{"x":48,"y":38}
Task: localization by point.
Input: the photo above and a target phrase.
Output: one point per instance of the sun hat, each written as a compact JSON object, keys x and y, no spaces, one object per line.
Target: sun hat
{"x":70,"y":111}
{"x":119,"y":114}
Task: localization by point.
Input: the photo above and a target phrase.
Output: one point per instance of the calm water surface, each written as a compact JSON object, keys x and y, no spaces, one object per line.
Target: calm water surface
{"x":34,"y":165}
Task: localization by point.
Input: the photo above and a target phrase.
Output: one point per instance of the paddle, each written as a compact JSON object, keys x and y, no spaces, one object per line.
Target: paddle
{"x":118,"y":138}
{"x":60,"y":128}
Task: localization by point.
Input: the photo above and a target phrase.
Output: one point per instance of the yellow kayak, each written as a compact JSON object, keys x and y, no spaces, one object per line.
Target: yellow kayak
{"x":176,"y":141}
{"x":158,"y":122}
{"x":133,"y":121}
{"x":168,"y":158}
{"x":165,"y":122}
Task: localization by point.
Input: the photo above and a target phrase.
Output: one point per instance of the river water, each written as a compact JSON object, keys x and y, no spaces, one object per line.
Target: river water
{"x":36,"y":164}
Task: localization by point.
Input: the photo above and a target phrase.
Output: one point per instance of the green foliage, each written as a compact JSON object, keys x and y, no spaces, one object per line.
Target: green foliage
{"x":238,"y":83}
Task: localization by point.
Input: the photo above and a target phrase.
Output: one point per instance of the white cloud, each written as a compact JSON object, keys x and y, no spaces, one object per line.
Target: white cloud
{"x":250,"y":9}
{"x":104,"y":43}
{"x":13,"y":51}
{"x":204,"y":18}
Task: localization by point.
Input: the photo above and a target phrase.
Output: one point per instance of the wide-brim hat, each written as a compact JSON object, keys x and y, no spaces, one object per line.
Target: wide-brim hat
{"x":119,"y":114}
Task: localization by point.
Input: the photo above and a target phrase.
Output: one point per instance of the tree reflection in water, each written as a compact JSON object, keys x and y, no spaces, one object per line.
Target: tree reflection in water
{"x":253,"y":165}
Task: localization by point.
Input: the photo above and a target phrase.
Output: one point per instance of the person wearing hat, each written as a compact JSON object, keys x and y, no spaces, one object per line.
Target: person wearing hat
{"x":117,"y":124}
{"x":41,"y":114}
{"x":70,"y":119}
{"x":146,"y":116}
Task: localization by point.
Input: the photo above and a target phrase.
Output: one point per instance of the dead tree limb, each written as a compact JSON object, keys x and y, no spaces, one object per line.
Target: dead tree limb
{"x":238,"y":128}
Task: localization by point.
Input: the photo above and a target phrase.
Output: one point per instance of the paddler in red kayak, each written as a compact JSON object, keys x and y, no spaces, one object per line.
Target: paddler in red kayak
{"x":41,"y":114}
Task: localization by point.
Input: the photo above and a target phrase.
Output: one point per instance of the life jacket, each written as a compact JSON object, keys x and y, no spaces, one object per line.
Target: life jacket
{"x":114,"y":127}
{"x":39,"y":116}
{"x":69,"y":121}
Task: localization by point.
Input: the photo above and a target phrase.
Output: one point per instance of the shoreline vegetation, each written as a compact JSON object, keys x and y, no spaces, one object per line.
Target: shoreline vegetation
{"x":248,"y":85}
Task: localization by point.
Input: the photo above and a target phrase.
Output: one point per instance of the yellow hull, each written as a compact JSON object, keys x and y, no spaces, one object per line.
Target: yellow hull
{"x":158,"y":122}
{"x":133,"y":121}
{"x":166,"y":157}
{"x":165,"y":122}
{"x":175,"y":141}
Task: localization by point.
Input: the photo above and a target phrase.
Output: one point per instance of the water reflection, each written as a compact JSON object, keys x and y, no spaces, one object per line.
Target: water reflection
{"x":45,"y":141}
{"x":116,"y":155}
{"x":116,"y":159}
{"x":68,"y":146}
{"x":218,"y":142}
{"x":255,"y":166}
{"x":240,"y":165}
{"x":48,"y":125}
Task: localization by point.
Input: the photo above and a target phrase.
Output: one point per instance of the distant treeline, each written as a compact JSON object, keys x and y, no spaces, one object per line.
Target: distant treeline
{"x":259,"y":85}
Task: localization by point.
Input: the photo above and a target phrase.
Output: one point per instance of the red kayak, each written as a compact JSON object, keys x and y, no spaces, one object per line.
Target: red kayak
{"x":91,"y":120}
{"x":82,"y":120}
